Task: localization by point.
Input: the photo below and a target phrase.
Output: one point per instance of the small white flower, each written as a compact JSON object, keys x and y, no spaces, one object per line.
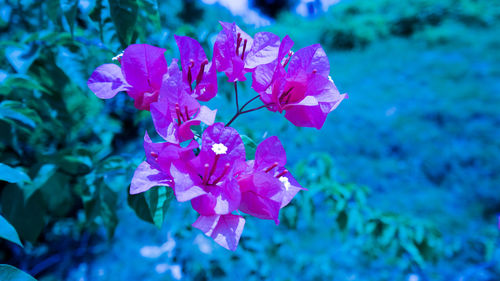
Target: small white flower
{"x":219,"y":148}
{"x":285,"y":182}
{"x":330,"y":78}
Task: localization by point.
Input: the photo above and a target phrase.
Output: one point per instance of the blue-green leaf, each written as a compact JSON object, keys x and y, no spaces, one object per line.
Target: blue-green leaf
{"x":12,"y":175}
{"x":7,"y":231}
{"x":10,"y":273}
{"x":124,"y":15}
{"x":250,"y":147}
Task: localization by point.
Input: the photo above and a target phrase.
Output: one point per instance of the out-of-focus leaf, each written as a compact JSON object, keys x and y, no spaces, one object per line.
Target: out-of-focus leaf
{"x":54,"y":10}
{"x":7,"y":231}
{"x":150,"y":7}
{"x":124,"y":15}
{"x":413,"y":251}
{"x":388,"y":234}
{"x":250,"y":147}
{"x":10,"y":273}
{"x":12,"y":175}
{"x":69,"y":8}
{"x":22,"y":58}
{"x":96,"y":16}
{"x":19,"y":81}
{"x":100,"y":207}
{"x":5,"y":15}
{"x":112,"y":164}
{"x":17,"y":111}
{"x":50,"y":76}
{"x":57,"y":194}
{"x":44,"y":174}
{"x":27,"y":217}
{"x":76,"y":164}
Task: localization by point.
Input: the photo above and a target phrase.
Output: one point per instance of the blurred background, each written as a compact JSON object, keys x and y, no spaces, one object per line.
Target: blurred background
{"x":403,"y":179}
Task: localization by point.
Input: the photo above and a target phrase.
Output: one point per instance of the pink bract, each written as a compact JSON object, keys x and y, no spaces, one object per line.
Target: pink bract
{"x":236,"y":53}
{"x":176,"y":110}
{"x":267,"y":186}
{"x":197,"y":69}
{"x":224,"y":229}
{"x":140,"y":75}
{"x":305,"y":91}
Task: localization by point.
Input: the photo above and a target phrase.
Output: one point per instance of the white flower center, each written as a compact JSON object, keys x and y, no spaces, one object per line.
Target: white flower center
{"x":285,"y":182}
{"x":219,"y":148}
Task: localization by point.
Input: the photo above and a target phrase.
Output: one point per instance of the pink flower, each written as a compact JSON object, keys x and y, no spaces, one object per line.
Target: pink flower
{"x":155,"y":171}
{"x":305,"y":92}
{"x":209,"y":179}
{"x":176,"y":110}
{"x":267,"y":186}
{"x":236,"y":53}
{"x":224,"y":229}
{"x":140,"y":75}
{"x":196,"y":68}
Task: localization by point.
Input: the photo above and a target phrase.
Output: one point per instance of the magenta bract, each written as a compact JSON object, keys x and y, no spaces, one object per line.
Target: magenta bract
{"x":305,"y":91}
{"x":236,"y":53}
{"x":142,"y":69}
{"x":196,"y":69}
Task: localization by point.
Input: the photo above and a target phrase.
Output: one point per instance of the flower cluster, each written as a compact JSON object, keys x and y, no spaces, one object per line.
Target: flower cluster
{"x":216,"y":177}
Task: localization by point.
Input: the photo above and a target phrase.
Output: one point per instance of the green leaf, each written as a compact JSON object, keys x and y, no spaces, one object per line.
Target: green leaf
{"x":57,"y":194}
{"x":414,"y":253}
{"x":7,"y":231}
{"x":76,"y":164}
{"x":22,"y":58}
{"x":152,"y":205}
{"x":19,"y":81}
{"x":10,"y":273}
{"x":138,"y":203}
{"x":17,"y":111}
{"x":250,"y":147}
{"x":100,"y":207}
{"x":96,"y":16}
{"x":150,"y":8}
{"x":12,"y":175}
{"x":53,"y":10}
{"x":69,"y":8}
{"x":44,"y":174}
{"x":124,"y":15}
{"x":27,"y":217}
{"x":158,"y":199}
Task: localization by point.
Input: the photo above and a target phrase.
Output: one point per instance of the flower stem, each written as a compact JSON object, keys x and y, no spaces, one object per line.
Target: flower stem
{"x":240,"y":111}
{"x":236,"y":95}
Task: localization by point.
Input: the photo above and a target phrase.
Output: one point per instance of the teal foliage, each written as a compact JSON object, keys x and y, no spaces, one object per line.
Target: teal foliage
{"x":355,"y":24}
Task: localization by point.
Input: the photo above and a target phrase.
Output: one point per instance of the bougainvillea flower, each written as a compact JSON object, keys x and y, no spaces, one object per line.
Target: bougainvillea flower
{"x":197,"y":69}
{"x":236,"y":53}
{"x":305,"y":91}
{"x":176,"y":110}
{"x":267,"y":186}
{"x":155,"y":171}
{"x":212,"y":171}
{"x":140,"y":75}
{"x":224,"y":229}
{"x":265,"y":74}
